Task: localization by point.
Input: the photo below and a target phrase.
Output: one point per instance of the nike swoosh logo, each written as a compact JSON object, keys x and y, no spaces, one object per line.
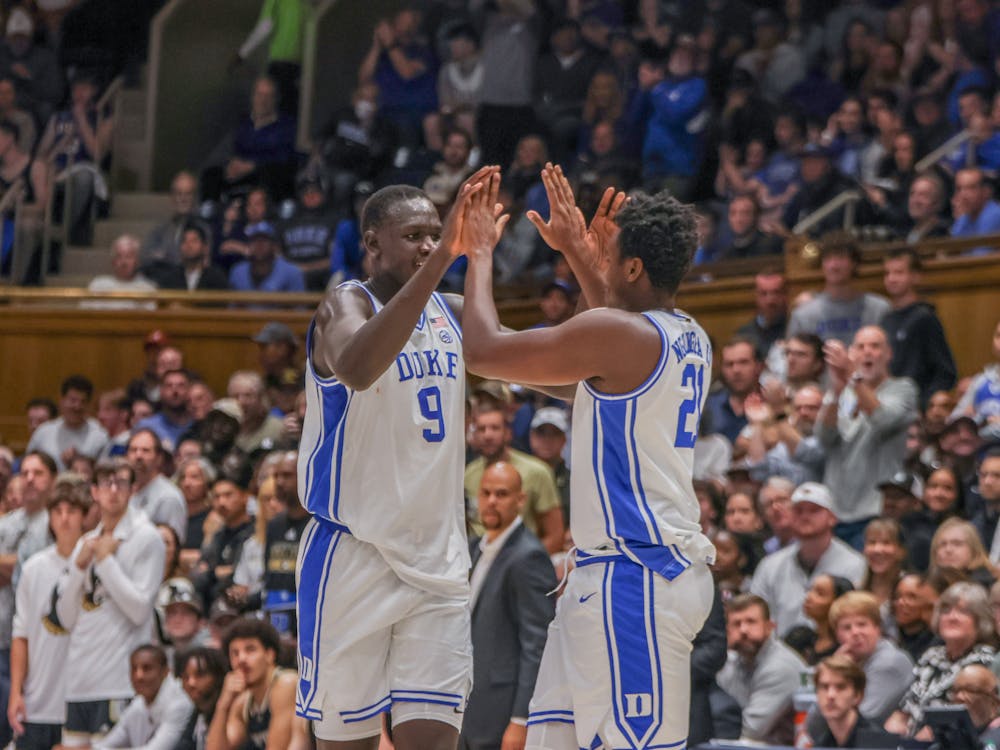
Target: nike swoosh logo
{"x":583,"y":599}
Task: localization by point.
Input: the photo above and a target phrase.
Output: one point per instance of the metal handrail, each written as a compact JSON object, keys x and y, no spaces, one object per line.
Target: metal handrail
{"x":943,"y":150}
{"x":848,"y":198}
{"x":110,"y":94}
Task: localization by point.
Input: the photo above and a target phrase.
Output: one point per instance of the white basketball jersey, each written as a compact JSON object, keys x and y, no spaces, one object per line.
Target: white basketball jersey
{"x":631,"y":488}
{"x":387,"y":463}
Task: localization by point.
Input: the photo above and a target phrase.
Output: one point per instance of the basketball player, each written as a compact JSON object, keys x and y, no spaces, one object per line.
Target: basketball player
{"x":615,"y":672}
{"x":383,"y":568}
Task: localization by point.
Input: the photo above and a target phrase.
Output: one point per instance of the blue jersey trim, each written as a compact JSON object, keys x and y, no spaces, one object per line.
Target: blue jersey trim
{"x":325,"y":464}
{"x":351,"y":717}
{"x":537,"y":714}
{"x":371,"y":297}
{"x":449,"y":313}
{"x":639,"y":490}
{"x":533,"y":722}
{"x":661,"y":364}
{"x":332,"y":380}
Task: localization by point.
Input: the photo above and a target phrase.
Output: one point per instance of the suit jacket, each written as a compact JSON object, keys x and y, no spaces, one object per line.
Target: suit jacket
{"x":212,"y":278}
{"x":509,"y":626}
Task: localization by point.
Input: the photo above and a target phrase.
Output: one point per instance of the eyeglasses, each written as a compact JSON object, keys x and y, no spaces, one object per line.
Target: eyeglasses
{"x":956,"y":691}
{"x":113,"y":483}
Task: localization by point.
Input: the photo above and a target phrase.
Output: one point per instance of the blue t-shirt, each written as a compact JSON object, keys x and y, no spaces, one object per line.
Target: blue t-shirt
{"x":419,"y":93}
{"x":284,"y":277}
{"x":988,"y":222}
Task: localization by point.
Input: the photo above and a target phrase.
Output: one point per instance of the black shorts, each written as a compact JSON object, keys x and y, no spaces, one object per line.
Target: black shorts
{"x":39,"y":737}
{"x":86,"y":720}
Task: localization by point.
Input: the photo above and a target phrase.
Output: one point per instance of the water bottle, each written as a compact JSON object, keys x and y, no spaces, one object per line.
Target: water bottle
{"x":803,"y":700}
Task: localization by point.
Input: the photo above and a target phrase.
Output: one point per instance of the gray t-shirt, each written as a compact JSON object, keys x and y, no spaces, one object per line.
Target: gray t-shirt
{"x":24,"y":535}
{"x":55,"y":438}
{"x":838,"y":319}
{"x":162,"y":502}
{"x":864,"y":449}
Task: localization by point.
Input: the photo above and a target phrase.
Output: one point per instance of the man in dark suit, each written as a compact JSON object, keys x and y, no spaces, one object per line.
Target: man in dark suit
{"x":511,"y":575}
{"x":195,"y":271}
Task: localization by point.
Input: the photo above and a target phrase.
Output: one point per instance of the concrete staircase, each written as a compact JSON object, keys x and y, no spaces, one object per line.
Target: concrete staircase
{"x":132,"y":211}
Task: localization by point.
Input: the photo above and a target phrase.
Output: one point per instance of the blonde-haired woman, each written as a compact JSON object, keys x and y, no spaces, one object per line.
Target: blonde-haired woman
{"x":956,"y":545}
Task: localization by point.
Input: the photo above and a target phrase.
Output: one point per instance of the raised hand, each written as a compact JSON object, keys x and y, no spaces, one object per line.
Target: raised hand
{"x":566,"y":229}
{"x":602,"y":228}
{"x":451,"y":232}
{"x":757,"y":410}
{"x":484,"y":221}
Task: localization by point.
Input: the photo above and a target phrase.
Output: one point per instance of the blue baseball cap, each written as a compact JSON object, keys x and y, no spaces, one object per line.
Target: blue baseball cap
{"x":261,"y":229}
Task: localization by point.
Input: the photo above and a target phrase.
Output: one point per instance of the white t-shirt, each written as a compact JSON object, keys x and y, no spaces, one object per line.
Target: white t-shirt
{"x":152,"y":727}
{"x":111,"y":284}
{"x":36,"y":621}
{"x":108,"y":607}
{"x":55,"y":438}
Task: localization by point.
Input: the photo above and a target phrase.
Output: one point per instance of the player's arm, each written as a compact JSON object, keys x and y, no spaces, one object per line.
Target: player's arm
{"x":357,"y":346}
{"x":584,"y":247}
{"x":551,"y":529}
{"x":282,"y":701}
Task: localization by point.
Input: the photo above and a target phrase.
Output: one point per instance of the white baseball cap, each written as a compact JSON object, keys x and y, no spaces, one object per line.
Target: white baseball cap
{"x":815,"y":493}
{"x":553,"y":416}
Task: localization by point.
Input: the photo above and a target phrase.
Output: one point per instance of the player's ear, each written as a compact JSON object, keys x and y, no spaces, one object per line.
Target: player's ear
{"x":633,"y":268}
{"x":370,"y":240}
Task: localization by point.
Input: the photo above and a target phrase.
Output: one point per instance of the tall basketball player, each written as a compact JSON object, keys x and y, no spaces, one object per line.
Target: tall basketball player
{"x":615,"y":672}
{"x":383,"y":567}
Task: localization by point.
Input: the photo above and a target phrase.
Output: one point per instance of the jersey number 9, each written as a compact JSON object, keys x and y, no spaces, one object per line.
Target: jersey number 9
{"x":430,"y":409}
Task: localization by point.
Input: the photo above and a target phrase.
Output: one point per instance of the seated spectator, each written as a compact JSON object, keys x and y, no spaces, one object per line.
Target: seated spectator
{"x":261,"y":150}
{"x":840,"y":691}
{"x":113,"y":414}
{"x":925,"y":209}
{"x":18,"y":169}
{"x":783,"y":577}
{"x":736,"y":175}
{"x":307,"y":237}
{"x":605,"y":103}
{"x":163,"y":244}
{"x":73,"y":432}
{"x":124,"y":277}
{"x":347,"y":255}
{"x":956,"y":546}
{"x":265,"y":270}
{"x":975,"y":687}
{"x":776,"y":64}
{"x":77,"y":142}
{"x":785,"y":447}
{"x":931,"y":125}
{"x":213,"y":574}
{"x":239,"y":213}
{"x":912,"y":609}
{"x":259,"y":429}
{"x":459,"y":86}
{"x":729,"y":571}
{"x":857,"y":622}
{"x":767,"y":328}
{"x":195,"y":272}
{"x":35,"y":69}
{"x":855,"y":36}
{"x":964,"y":622}
{"x":10,"y":111}
{"x":775,"y":502}
{"x":201,"y":672}
{"x":179,"y":611}
{"x":257,"y":701}
{"x":886,"y":556}
{"x":779,"y":177}
{"x":248,"y":575}
{"x":404,"y":67}
{"x":982,"y":150}
{"x":824,"y":591}
{"x":748,"y":241}
{"x":158,"y":713}
{"x":451,"y":170}
{"x":981,"y":400}
{"x":976,"y":213}
{"x":741,"y":369}
{"x":761,"y":672}
{"x":821,"y":183}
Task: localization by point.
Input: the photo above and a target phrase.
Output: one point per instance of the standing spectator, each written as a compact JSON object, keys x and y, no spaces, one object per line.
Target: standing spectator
{"x":975,"y":212}
{"x":920,"y":349}
{"x":549,"y":428}
{"x":785,"y":447}
{"x":841,"y":308}
{"x":771,"y":300}
{"x":195,"y":270}
{"x":449,"y":173}
{"x":761,"y":672}
{"x":804,"y":362}
{"x":73,"y":432}
{"x":510,"y":614}
{"x":163,"y":243}
{"x":214,"y":572}
{"x":38,"y":411}
{"x":981,"y":400}
{"x":265,"y":270}
{"x":307,"y":237}
{"x":173,"y":419}
{"x":259,"y":430}
{"x":10,"y":111}
{"x":985,"y":517}
{"x":152,"y":493}
{"x":194,"y":478}
{"x":113,"y":414}
{"x":37,"y":706}
{"x":124,"y":277}
{"x":155,"y":718}
{"x":671,"y":153}
{"x":782,"y":578}
{"x":261,"y":150}
{"x":34,"y":69}
{"x":201,"y":671}
{"x":840,"y":691}
{"x":862,"y":426}
{"x":510,"y":36}
{"x":775,"y":503}
{"x":857,"y":622}
{"x":405,"y":69}
{"x":459,"y":84}
{"x":542,"y":511}
{"x":281,"y":24}
{"x":23,"y":532}
{"x":741,"y":369}
{"x":773,"y":62}
{"x":106,"y":601}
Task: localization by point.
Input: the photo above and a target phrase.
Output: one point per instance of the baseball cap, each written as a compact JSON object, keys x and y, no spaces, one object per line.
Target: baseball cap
{"x":222,"y":612}
{"x":815,"y":493}
{"x":558,"y":284}
{"x":496,"y":390}
{"x":815,"y":149}
{"x":19,"y":22}
{"x":274,"y":333}
{"x":904,"y":481}
{"x":962,"y":418}
{"x":261,"y":229}
{"x":550,"y":415}
{"x":178,"y":591}
{"x":156,"y":338}
{"x":230,"y":408}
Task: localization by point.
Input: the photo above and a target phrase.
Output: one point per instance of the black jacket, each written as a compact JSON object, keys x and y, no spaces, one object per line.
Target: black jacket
{"x":920,"y":350}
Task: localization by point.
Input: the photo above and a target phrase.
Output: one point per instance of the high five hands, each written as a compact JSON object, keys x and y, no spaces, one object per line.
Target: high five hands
{"x":476,"y":220}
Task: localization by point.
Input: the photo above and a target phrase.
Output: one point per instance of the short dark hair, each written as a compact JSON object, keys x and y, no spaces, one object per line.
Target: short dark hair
{"x":179,"y":371}
{"x":77,"y":383}
{"x":746,"y":601}
{"x":840,"y":243}
{"x":814,"y":342}
{"x":46,"y":403}
{"x":381,"y":202}
{"x":157,"y":443}
{"x":199,"y":228}
{"x":847,"y":668}
{"x":461,"y":133}
{"x":71,"y":489}
{"x":210,"y":661}
{"x":250,"y":627}
{"x":909,"y":253}
{"x":150,"y":648}
{"x":660,"y":231}
{"x":111,"y":468}
{"x":45,"y":458}
{"x":737,"y":340}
